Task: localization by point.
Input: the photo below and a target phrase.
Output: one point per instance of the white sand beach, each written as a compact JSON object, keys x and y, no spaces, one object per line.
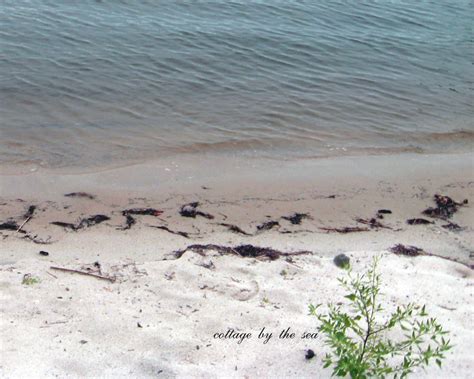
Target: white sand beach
{"x":159,"y":316}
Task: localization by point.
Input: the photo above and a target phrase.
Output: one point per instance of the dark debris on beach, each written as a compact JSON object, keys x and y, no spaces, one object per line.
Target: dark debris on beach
{"x":452,"y":227}
{"x":177,"y":232}
{"x":29,"y":213}
{"x":235,"y":229}
{"x":130,"y":220}
{"x":444,"y":210}
{"x":14,"y":226}
{"x":373,"y":223}
{"x":347,"y":229}
{"x":418,"y":221}
{"x":143,"y":212}
{"x":190,"y":210}
{"x":410,"y":251}
{"x":296,"y":218}
{"x":413,"y":251}
{"x":268,"y":225}
{"x":84,"y":223}
{"x":244,"y":251}
{"x":9,"y":225}
{"x":309,"y":354}
{"x":83,"y":195}
{"x":445,"y":207}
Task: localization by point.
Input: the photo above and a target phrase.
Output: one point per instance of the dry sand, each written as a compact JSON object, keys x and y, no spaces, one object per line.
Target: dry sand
{"x":159,"y":317}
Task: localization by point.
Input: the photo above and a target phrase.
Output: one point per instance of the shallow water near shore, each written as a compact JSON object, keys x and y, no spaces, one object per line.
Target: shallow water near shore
{"x":98,"y":83}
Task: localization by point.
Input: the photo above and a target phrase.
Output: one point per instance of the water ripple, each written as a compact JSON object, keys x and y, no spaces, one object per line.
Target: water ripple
{"x":96,"y":82}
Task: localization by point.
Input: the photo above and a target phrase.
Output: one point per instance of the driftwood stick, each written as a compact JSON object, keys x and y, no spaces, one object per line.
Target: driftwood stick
{"x":111,"y":280}
{"x":23,"y":224}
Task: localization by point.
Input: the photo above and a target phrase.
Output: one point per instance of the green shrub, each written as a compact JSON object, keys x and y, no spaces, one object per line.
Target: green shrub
{"x":363,"y":345}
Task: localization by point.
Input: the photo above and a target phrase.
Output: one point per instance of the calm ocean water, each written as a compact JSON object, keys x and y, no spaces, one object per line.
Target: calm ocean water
{"x":94,"y":83}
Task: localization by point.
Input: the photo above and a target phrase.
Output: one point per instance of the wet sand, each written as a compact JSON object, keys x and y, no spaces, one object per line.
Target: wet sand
{"x":160,"y":314}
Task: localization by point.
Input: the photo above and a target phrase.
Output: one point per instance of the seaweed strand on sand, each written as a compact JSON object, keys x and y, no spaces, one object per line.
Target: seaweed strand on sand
{"x":413,"y":251}
{"x":245,"y":251}
{"x":83,"y":223}
{"x":177,"y":232}
{"x":235,"y":229}
{"x":130,"y":220}
{"x":344,"y":230}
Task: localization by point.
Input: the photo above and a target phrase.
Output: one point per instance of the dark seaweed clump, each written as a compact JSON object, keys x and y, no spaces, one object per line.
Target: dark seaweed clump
{"x":410,"y":251}
{"x":267,"y":225}
{"x":296,"y":218}
{"x":418,"y":221}
{"x":130,"y":220}
{"x":9,"y":225}
{"x":452,"y":226}
{"x":142,"y":211}
{"x":31,"y":210}
{"x":190,"y":210}
{"x":12,"y":225}
{"x":445,"y":207}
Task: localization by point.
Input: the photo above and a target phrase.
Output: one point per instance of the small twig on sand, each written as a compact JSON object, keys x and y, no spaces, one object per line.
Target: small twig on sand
{"x":54,"y":276}
{"x":48,"y":324}
{"x":112,"y":280}
{"x":23,"y":224}
{"x":290,"y":261}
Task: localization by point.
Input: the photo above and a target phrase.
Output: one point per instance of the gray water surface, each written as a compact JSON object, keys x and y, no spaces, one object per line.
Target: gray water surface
{"x":91,"y":83}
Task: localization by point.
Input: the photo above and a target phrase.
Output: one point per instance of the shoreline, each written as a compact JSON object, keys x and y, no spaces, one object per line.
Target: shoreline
{"x":160,"y":314}
{"x":453,"y":142}
{"x":181,"y":167}
{"x":242,"y":156}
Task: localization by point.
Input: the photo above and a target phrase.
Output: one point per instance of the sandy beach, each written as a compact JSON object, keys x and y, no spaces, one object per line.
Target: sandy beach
{"x":159,"y":313}
{"x":184,"y":186}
